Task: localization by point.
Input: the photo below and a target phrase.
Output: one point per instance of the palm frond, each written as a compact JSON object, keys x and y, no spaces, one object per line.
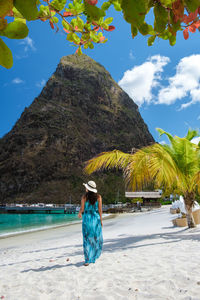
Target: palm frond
{"x":195,"y":182}
{"x":153,"y":163}
{"x":174,"y":167}
{"x":161,"y":132}
{"x":186,"y":156}
{"x":107,"y":160}
{"x":136,"y":173}
{"x":191,"y":134}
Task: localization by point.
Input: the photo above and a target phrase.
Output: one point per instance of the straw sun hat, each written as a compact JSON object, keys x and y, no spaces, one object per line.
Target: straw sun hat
{"x":91,"y":186}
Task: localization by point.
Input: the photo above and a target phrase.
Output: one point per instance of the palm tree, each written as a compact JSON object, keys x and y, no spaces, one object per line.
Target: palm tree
{"x":174,"y":167}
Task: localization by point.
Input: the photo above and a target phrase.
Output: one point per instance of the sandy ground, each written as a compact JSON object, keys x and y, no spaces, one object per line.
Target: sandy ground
{"x":144,"y":257}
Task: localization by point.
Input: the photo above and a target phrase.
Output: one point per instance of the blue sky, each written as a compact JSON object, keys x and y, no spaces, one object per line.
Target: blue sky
{"x":163,"y":80}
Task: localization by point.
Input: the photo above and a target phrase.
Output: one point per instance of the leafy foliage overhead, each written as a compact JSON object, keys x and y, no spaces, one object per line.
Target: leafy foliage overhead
{"x":175,"y":167}
{"x":85,"y":23}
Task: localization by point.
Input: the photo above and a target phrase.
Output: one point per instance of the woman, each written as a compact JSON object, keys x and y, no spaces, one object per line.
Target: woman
{"x":91,"y":208}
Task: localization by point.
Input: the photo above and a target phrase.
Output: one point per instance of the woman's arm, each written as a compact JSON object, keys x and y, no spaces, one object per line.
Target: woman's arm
{"x":100,"y":208}
{"x":82,"y":207}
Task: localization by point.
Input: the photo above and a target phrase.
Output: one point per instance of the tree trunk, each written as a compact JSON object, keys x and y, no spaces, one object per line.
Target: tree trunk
{"x":189,"y":202}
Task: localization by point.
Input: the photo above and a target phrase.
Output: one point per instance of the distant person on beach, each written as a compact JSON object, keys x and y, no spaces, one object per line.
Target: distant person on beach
{"x":91,"y":213}
{"x":138,"y":205}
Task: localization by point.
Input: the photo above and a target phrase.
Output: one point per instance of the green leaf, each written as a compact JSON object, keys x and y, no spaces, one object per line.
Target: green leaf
{"x":144,"y":29}
{"x":21,"y":20}
{"x":27,"y":8}
{"x":167,"y":3}
{"x":80,"y":23}
{"x":151,"y":40}
{"x":3,"y":24}
{"x":165,"y":35}
{"x":172,"y":40}
{"x":6,"y":58}
{"x":161,"y":18}
{"x":65,"y":25}
{"x":93,"y":12}
{"x":94,"y":37}
{"x":58,"y":4}
{"x":70,"y":37}
{"x":134,"y":11}
{"x":79,"y":52}
{"x":151,"y":30}
{"x":85,"y":46}
{"x":5,"y":7}
{"x":192,"y":134}
{"x":16,"y":30}
{"x":117,"y":6}
{"x":105,"y":5}
{"x":108,"y":21}
{"x":134,"y":31}
{"x":87,"y":27}
{"x":55,"y":19}
{"x":71,"y":6}
{"x":192,"y":5}
{"x":76,"y":39}
{"x":85,"y":36}
{"x":91,"y":46}
{"x":78,"y":8}
{"x":17,"y":14}
{"x":74,"y":22}
{"x":44,"y":11}
{"x":175,"y":26}
{"x":104,"y":25}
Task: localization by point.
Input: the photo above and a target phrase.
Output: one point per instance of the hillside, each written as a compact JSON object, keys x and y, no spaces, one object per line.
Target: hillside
{"x":80,"y":112}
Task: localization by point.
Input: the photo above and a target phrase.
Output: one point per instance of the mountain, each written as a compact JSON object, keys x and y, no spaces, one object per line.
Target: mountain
{"x":80,"y":112}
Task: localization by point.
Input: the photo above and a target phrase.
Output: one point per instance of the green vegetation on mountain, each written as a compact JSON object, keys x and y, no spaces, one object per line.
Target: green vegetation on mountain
{"x":80,"y":112}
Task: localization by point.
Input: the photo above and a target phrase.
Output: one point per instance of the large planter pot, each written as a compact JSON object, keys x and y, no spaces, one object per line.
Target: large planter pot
{"x":196,"y":216}
{"x":174,"y":222}
{"x":174,"y":210}
{"x":180,"y":222}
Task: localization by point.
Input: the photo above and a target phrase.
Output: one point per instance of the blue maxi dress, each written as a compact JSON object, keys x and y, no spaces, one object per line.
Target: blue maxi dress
{"x":92,"y":232}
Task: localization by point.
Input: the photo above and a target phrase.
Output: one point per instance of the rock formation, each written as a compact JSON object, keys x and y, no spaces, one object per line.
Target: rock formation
{"x":80,"y":112}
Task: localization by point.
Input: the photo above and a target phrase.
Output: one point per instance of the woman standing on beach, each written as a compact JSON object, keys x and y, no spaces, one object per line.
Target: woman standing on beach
{"x":91,"y":212}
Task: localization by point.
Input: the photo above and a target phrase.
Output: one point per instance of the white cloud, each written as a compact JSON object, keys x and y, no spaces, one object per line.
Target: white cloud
{"x":162,"y":142}
{"x":131,"y":56}
{"x":28,"y":44}
{"x":140,"y":80}
{"x":185,"y":83}
{"x":17,"y":80}
{"x":41,"y":83}
{"x":195,"y":140}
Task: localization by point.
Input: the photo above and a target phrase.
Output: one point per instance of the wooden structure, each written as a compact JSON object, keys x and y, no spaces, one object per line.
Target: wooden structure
{"x":149,"y":198}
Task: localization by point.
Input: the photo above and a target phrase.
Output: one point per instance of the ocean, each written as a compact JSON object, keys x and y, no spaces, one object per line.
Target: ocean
{"x":11,"y":224}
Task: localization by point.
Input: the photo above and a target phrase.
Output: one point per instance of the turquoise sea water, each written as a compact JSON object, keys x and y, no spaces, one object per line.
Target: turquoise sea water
{"x":18,"y":223}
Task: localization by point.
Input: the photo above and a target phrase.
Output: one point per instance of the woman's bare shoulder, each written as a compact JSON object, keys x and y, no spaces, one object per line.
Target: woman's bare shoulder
{"x":99,"y":198}
{"x":83,"y":198}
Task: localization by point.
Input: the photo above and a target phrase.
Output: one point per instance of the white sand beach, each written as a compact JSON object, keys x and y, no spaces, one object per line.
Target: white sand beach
{"x":144,"y":257}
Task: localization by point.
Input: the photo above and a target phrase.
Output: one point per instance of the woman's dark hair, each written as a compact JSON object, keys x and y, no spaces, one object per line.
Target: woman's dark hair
{"x":91,"y":197}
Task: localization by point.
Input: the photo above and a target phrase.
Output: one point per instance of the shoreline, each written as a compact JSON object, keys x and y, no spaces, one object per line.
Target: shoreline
{"x":46,"y":228}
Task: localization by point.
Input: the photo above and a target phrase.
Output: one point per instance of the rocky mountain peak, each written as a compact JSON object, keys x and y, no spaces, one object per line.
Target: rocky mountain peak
{"x":80,"y":112}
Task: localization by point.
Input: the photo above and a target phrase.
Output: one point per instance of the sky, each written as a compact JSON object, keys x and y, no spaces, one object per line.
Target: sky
{"x":164,"y":81}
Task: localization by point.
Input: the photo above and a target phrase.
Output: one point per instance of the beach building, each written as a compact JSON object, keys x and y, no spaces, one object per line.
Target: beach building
{"x":149,"y":198}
